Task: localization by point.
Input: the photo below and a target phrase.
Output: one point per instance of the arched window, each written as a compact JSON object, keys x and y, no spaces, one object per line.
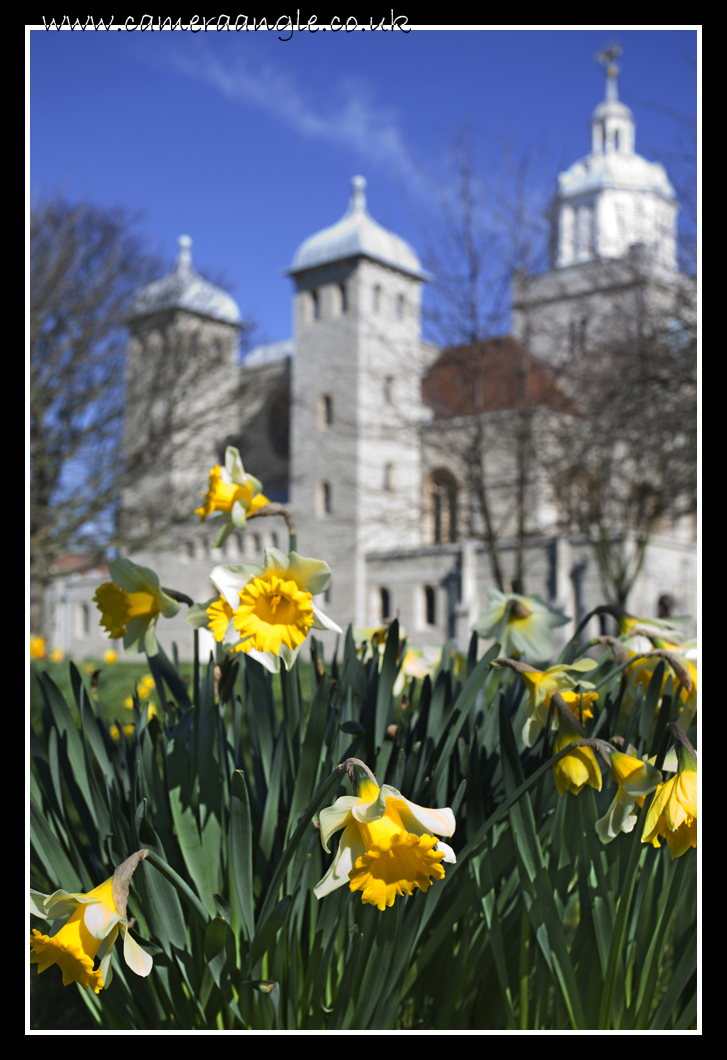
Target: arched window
{"x":389,"y":390}
{"x":324,"y":498}
{"x":441,"y":507}
{"x":315,"y":305}
{"x":385,"y":603}
{"x":388,"y":478}
{"x":666,"y":607}
{"x":344,"y":300}
{"x":400,"y":307}
{"x":430,"y":605}
{"x":376,"y":303}
{"x":325,"y":410}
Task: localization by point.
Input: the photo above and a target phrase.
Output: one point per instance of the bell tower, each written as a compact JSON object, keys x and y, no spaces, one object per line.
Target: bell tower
{"x":356,"y":403}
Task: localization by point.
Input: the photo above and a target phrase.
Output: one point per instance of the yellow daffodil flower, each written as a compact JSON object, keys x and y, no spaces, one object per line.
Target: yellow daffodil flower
{"x":37,"y":648}
{"x":649,"y":626}
{"x":131,"y":604}
{"x":110,"y":657}
{"x":579,"y":767}
{"x":232,"y":492}
{"x":388,"y":846}
{"x":92,"y":924}
{"x":521,"y":624}
{"x":642,"y":670}
{"x":269,"y":610}
{"x":128,"y":730}
{"x":635,"y":779}
{"x":419,"y":663}
{"x":673,"y":811}
{"x":541,"y":686}
{"x":56,"y":655}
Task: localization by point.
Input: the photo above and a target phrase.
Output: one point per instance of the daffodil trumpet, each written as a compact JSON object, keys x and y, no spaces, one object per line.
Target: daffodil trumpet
{"x":92,"y":924}
{"x":389,"y":845}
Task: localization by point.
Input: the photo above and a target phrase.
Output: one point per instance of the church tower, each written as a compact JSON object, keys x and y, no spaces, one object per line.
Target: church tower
{"x":180,"y":396}
{"x":355,"y":400}
{"x":613,"y":246}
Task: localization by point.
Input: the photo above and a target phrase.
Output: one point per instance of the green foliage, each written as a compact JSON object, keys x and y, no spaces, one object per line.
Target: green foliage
{"x":537,"y":925}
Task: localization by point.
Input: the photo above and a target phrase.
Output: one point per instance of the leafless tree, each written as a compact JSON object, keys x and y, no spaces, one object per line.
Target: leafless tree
{"x":94,"y":438}
{"x":485,"y":390}
{"x":625,"y":467}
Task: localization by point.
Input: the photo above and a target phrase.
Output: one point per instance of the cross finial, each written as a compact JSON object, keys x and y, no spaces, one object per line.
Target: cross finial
{"x":184,"y":254}
{"x":608,"y":58}
{"x":358,"y":195}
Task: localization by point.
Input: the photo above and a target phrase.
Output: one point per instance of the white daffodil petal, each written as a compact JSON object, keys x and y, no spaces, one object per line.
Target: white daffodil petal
{"x":268,"y":659}
{"x":275,"y":560}
{"x":350,"y":849}
{"x":619,"y":818}
{"x":231,"y":578}
{"x":643,"y":781}
{"x":99,"y":919}
{"x":233,"y":471}
{"x":136,"y":958}
{"x":238,"y":515}
{"x":421,"y":820}
{"x":583,"y":665}
{"x":333,"y":818}
{"x":321,"y":621}
{"x":447,"y":851}
{"x":312,"y":575}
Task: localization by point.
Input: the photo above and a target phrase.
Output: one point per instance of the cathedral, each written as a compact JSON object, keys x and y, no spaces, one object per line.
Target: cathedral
{"x":367,"y":433}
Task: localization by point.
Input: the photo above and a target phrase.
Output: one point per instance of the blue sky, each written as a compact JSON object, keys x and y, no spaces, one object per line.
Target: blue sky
{"x":248,"y":143}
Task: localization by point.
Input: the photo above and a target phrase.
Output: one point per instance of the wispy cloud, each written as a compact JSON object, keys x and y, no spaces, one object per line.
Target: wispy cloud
{"x":356,"y":123}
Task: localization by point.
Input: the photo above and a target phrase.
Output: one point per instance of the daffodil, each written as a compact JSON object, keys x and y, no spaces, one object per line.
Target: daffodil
{"x":37,"y":648}
{"x":635,"y":779}
{"x":417,"y":662}
{"x":131,"y":604}
{"x":110,"y":657}
{"x":269,"y":610}
{"x":673,"y":811}
{"x":388,"y":846}
{"x":579,"y":767}
{"x":542,"y":684}
{"x":56,"y":655}
{"x":128,"y":730}
{"x":92,"y":924}
{"x":520,"y":624}
{"x":681,"y":662}
{"x":232,"y":492}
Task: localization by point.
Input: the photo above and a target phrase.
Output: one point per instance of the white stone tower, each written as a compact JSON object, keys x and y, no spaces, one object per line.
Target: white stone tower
{"x":355,"y":400}
{"x":181,"y":400}
{"x":614,"y":243}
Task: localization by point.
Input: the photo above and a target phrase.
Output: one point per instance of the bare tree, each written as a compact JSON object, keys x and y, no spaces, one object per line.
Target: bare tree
{"x":486,"y":390}
{"x":85,"y":265}
{"x":114,"y":427}
{"x":625,"y":468}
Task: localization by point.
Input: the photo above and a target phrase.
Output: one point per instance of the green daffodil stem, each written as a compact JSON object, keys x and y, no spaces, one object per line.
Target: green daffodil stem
{"x":679,"y":736}
{"x":181,"y":598}
{"x":278,"y":509}
{"x":612,"y":673}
